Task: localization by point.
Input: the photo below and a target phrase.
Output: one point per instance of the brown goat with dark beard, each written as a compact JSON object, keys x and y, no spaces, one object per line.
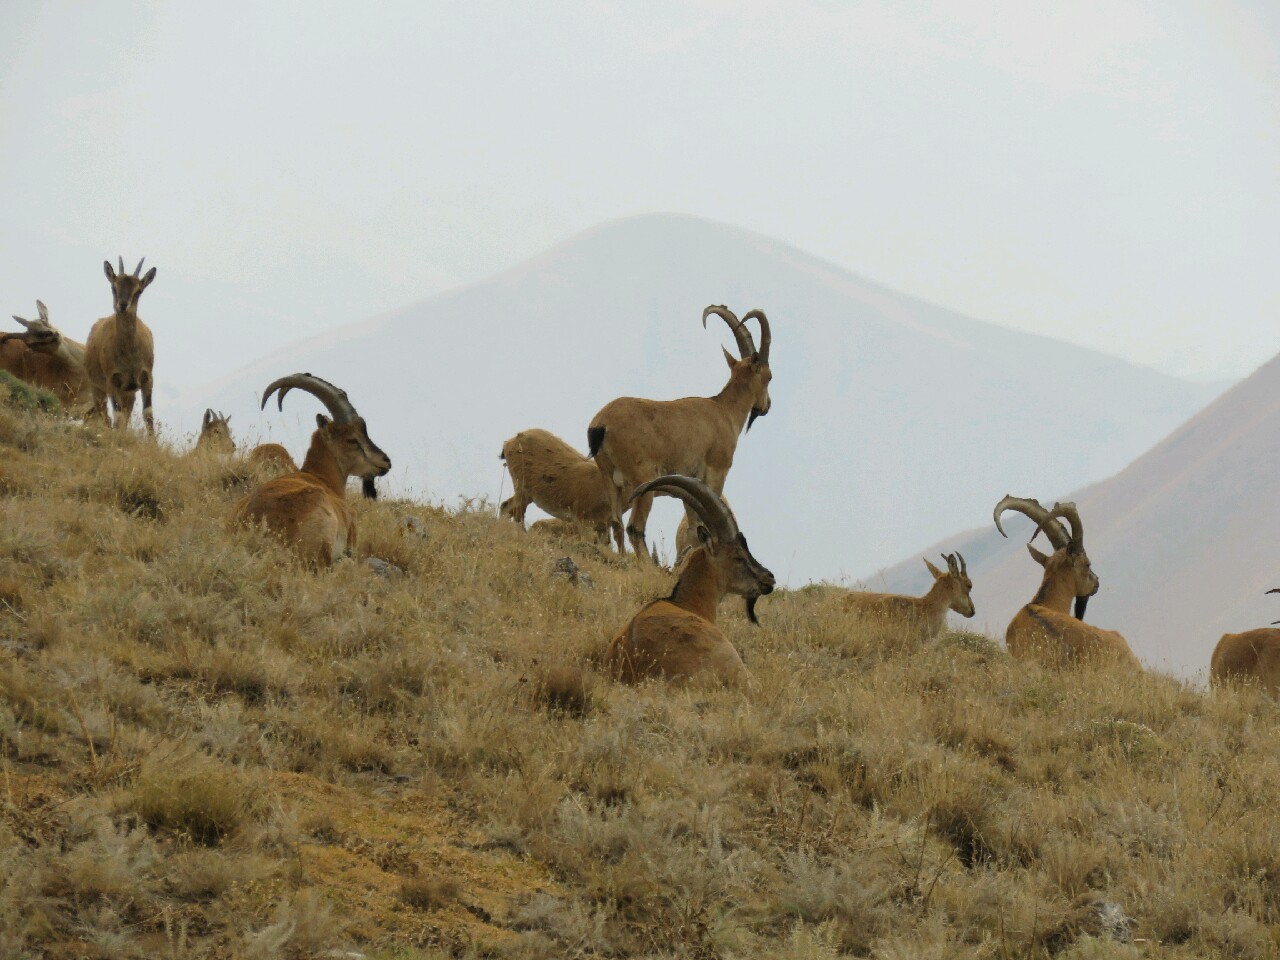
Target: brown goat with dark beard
{"x":308,"y":508}
{"x":677,"y":638}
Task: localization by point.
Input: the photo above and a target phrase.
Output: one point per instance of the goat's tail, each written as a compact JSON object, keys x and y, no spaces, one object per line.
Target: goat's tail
{"x":595,"y":439}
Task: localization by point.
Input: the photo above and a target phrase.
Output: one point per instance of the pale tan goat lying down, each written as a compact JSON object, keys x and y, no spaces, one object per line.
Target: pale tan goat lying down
{"x":891,"y":618}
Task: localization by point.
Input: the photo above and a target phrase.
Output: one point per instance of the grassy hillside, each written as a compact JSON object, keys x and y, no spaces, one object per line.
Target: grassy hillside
{"x":207,"y":750}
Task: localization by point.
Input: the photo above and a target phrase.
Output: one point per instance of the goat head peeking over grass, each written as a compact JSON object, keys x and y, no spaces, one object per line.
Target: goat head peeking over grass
{"x":215,"y":434}
{"x":308,"y":508}
{"x":895,"y":618}
{"x":1250,"y":656}
{"x":676,"y":638}
{"x":1044,"y":629}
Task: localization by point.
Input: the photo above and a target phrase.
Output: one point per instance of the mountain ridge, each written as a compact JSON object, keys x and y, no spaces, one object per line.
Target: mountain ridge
{"x":858,"y":370}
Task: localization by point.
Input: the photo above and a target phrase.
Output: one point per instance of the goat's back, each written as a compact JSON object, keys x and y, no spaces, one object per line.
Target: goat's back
{"x":1252,"y":655}
{"x":560,"y":480}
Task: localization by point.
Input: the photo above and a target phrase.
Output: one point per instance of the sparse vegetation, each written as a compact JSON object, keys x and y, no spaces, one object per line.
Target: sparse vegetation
{"x":209,"y":749}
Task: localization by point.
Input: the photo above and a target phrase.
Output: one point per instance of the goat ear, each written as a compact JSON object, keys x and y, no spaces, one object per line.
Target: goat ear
{"x":111,"y":274}
{"x":1037,"y":556}
{"x":937,"y":574}
{"x":148,"y":277}
{"x":321,"y":421}
{"x":728,"y":358}
{"x":703,"y":535}
{"x":44,"y":311}
{"x":208,"y":416}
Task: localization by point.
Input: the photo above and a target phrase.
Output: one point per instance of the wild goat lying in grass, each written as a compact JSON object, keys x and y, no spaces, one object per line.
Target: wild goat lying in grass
{"x":1044,"y":629}
{"x":549,"y":473}
{"x":272,"y":455}
{"x":677,"y":638}
{"x":308,"y":508}
{"x":893,"y":618}
{"x":1250,"y":656}
{"x":120,"y":351}
{"x":44,"y":357}
{"x":634,"y":440}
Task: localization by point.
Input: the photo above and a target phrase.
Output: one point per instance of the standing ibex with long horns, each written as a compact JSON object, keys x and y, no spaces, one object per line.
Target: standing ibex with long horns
{"x":120,"y":351}
{"x":1045,"y":628}
{"x":1250,"y":656}
{"x":677,"y":638}
{"x":44,"y":357}
{"x":308,"y":508}
{"x":893,"y":619}
{"x":634,"y":440}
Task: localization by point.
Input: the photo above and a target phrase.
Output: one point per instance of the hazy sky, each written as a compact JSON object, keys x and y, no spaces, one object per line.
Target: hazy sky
{"x":1108,"y":173}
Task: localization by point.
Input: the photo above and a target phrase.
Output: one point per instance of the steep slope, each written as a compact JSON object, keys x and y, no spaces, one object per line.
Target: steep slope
{"x":1184,"y":539}
{"x":891,"y":417}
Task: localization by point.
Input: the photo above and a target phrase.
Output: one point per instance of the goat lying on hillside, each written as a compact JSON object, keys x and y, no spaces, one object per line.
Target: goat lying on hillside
{"x":308,"y":508}
{"x":549,"y":473}
{"x":45,"y":358}
{"x":1044,"y":629}
{"x":272,"y":455}
{"x":895,"y":619}
{"x":1253,"y":655}
{"x":120,"y":351}
{"x":634,"y":440}
{"x":677,"y":638}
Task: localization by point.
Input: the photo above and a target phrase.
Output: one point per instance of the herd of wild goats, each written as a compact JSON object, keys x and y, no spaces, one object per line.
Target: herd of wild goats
{"x":638,"y":448}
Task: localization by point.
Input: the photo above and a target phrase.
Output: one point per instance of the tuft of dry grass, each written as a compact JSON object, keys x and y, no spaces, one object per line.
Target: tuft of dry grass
{"x":209,"y":750}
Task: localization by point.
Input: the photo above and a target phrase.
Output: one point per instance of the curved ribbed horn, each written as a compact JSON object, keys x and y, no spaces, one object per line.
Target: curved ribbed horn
{"x":339,"y":406}
{"x":709,"y":507}
{"x":137,"y":271}
{"x":1033,"y":510}
{"x":740,"y":333}
{"x":964,"y":567}
{"x":766,"y":338}
{"x":1066,"y":511}
{"x":120,"y":260}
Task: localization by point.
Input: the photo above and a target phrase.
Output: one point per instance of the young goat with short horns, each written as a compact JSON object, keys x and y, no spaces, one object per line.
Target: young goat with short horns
{"x":1045,"y":629}
{"x":120,"y":352}
{"x":308,"y":508}
{"x":677,"y":638}
{"x":891,"y":618}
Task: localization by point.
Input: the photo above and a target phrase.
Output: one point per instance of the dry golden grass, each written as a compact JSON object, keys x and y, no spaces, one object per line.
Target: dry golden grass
{"x":207,"y":750}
